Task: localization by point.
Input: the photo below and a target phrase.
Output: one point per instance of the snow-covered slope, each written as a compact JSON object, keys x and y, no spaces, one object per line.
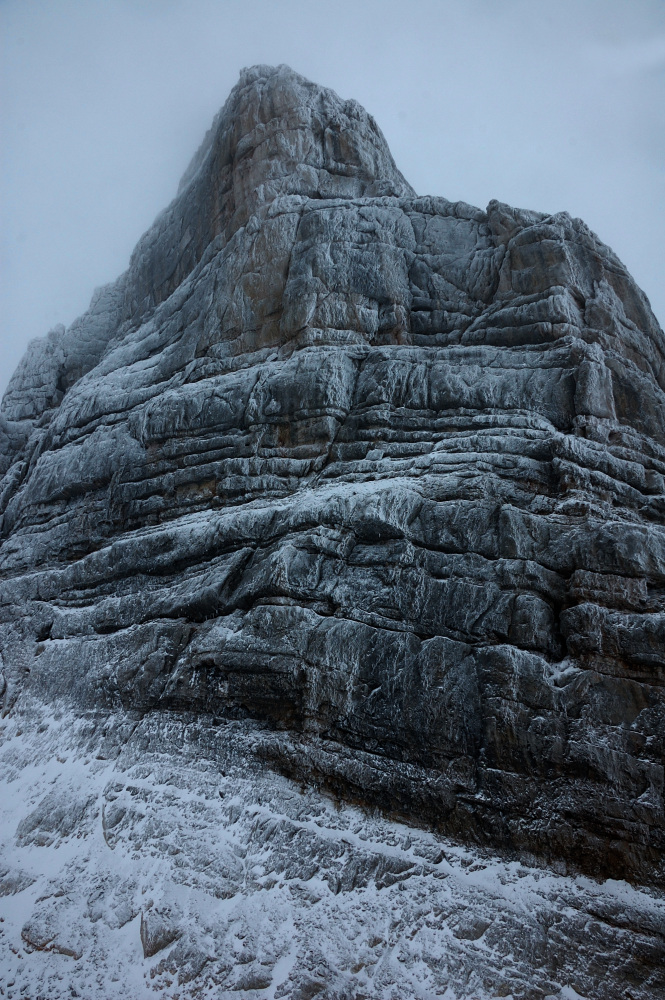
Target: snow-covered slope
{"x":159,"y":855}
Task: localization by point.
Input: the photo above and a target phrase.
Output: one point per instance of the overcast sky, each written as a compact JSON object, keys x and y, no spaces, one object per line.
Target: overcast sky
{"x":545,"y":105}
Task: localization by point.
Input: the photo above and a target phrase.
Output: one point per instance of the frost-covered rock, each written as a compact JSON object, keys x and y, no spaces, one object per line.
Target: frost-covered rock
{"x":206,"y":874}
{"x":382,"y":472}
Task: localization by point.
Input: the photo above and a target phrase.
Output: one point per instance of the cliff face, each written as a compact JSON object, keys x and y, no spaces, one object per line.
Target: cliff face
{"x":383,"y":471}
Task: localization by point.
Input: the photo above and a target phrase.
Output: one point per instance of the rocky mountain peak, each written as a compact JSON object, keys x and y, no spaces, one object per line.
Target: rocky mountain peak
{"x":277,"y":135}
{"x":367,"y":489}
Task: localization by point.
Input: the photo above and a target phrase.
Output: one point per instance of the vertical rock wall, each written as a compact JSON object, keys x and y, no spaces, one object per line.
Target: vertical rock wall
{"x":383,"y":471}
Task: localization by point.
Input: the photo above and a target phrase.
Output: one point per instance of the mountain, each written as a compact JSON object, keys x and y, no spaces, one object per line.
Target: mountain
{"x":366,"y":489}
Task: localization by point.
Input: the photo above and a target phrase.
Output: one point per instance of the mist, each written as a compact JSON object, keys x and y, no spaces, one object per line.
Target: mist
{"x":541,"y":105}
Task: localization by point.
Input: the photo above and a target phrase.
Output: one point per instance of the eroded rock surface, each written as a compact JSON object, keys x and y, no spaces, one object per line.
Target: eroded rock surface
{"x":197,"y":872}
{"x":382,"y":471}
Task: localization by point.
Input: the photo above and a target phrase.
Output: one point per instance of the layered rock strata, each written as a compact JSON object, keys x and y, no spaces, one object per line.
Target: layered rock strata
{"x":383,"y":471}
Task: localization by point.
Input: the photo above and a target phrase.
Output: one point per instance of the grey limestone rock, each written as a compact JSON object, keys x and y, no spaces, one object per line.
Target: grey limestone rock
{"x":382,"y":471}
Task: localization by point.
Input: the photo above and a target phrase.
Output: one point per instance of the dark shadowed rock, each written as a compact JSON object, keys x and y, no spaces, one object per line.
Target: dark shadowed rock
{"x":384,"y":471}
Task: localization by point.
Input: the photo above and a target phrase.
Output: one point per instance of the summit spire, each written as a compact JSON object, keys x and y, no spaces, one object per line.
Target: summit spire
{"x":277,"y":134}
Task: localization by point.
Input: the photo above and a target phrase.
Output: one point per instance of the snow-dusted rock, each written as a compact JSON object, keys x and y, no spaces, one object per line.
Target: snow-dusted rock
{"x":381,"y":472}
{"x":206,"y":874}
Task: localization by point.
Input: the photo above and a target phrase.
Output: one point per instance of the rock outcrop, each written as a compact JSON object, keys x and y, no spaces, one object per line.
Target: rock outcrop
{"x":382,"y":471}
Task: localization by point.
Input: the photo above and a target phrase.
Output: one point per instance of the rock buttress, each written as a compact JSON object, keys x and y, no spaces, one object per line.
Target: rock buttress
{"x":384,"y":471}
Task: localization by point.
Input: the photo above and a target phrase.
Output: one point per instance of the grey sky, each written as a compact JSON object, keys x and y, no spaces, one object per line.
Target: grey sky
{"x":544,"y":105}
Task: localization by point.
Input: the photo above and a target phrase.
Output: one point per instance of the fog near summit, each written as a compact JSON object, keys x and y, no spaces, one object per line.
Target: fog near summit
{"x":544,"y":106}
